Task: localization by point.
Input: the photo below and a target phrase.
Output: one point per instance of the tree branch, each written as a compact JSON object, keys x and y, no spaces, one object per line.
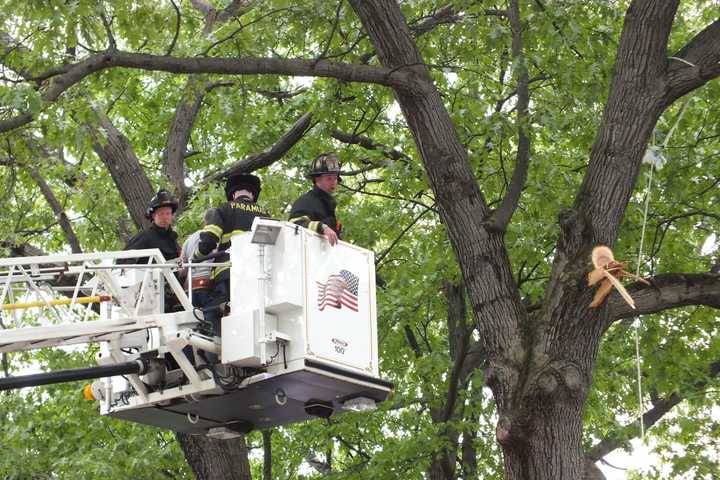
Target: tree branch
{"x":458,"y":337}
{"x":443,"y":16}
{"x":57,"y":209}
{"x":187,"y":110}
{"x":369,"y":144}
{"x":634,"y":104}
{"x":670,"y":290}
{"x":649,"y":418}
{"x":177,"y":28}
{"x":8,"y":45}
{"x":267,"y":454}
{"x":117,"y":154}
{"x":173,"y":157}
{"x":107,"y":24}
{"x":332,"y":31}
{"x":695,"y":64}
{"x":276,"y":151}
{"x":501,"y":217}
{"x":382,"y":256}
{"x":66,"y":76}
{"x":481,"y":254}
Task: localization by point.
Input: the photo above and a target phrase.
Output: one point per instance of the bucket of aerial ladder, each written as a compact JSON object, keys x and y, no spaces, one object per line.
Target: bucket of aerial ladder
{"x":299,"y":341}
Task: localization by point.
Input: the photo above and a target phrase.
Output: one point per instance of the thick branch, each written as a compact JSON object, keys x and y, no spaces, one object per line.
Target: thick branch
{"x":188,"y":108}
{"x":117,"y":154}
{"x":632,"y":110}
{"x":635,"y":102}
{"x":670,"y":290}
{"x":501,"y":217}
{"x":173,"y":158}
{"x":263,"y":159}
{"x":695,"y":64}
{"x":67,"y":76}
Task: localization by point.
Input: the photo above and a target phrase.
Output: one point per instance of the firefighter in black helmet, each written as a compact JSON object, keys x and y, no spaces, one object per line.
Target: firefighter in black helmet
{"x":315,"y":210}
{"x":159,"y":234}
{"x":235,"y":215}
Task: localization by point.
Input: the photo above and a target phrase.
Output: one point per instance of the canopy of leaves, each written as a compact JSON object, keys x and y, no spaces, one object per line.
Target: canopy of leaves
{"x":385,"y":205}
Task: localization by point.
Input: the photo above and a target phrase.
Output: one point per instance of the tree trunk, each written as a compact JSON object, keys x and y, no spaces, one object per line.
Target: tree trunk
{"x":212,"y":459}
{"x":540,"y":424}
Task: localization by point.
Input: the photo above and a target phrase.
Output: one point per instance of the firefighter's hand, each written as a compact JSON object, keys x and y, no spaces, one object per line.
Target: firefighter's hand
{"x":330,"y":235}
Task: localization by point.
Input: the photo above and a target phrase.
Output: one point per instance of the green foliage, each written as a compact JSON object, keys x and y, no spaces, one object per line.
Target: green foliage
{"x":385,"y":205}
{"x":53,"y":432}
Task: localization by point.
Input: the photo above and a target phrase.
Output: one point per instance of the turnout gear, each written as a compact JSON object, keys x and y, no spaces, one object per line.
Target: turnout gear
{"x":325,"y":163}
{"x":223,"y":222}
{"x":243,"y":181}
{"x":162,"y":198}
{"x":315,"y":209}
{"x":153,"y":237}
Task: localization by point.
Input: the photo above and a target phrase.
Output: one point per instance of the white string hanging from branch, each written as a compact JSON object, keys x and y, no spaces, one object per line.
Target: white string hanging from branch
{"x":655,"y":158}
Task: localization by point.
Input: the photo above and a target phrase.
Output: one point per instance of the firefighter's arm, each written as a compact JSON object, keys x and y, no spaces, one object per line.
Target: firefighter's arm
{"x":304,"y":221}
{"x":210,"y":235}
{"x":301,"y":214}
{"x":209,"y":238}
{"x":137,"y":242}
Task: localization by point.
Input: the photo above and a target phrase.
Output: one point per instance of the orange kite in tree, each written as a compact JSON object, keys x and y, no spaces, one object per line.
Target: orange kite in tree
{"x":607,"y":270}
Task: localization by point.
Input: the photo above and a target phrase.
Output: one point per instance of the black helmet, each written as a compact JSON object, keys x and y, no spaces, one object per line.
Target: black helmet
{"x":243,"y":181}
{"x":325,"y":163}
{"x":162,"y":198}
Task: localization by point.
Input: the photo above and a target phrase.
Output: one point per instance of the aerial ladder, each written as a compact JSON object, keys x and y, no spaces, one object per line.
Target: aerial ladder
{"x":299,"y":340}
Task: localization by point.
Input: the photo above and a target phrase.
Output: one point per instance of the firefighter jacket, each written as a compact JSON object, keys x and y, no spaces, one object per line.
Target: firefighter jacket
{"x":222,"y":223}
{"x":315,"y":209}
{"x":153,"y":237}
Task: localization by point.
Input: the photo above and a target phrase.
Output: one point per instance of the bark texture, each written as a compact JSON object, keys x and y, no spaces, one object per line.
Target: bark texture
{"x":214,"y":459}
{"x":173,"y":158}
{"x":539,"y":367}
{"x":117,"y":154}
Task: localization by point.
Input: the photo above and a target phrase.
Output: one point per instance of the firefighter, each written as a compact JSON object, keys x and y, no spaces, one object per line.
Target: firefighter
{"x":159,"y":234}
{"x":235,"y":215}
{"x":315,"y":210}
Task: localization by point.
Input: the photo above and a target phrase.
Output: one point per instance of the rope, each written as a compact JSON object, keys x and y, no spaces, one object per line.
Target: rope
{"x":637,"y":323}
{"x":637,"y":319}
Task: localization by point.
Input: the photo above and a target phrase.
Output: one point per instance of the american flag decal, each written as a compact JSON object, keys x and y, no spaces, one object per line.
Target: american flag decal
{"x":339,"y":290}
